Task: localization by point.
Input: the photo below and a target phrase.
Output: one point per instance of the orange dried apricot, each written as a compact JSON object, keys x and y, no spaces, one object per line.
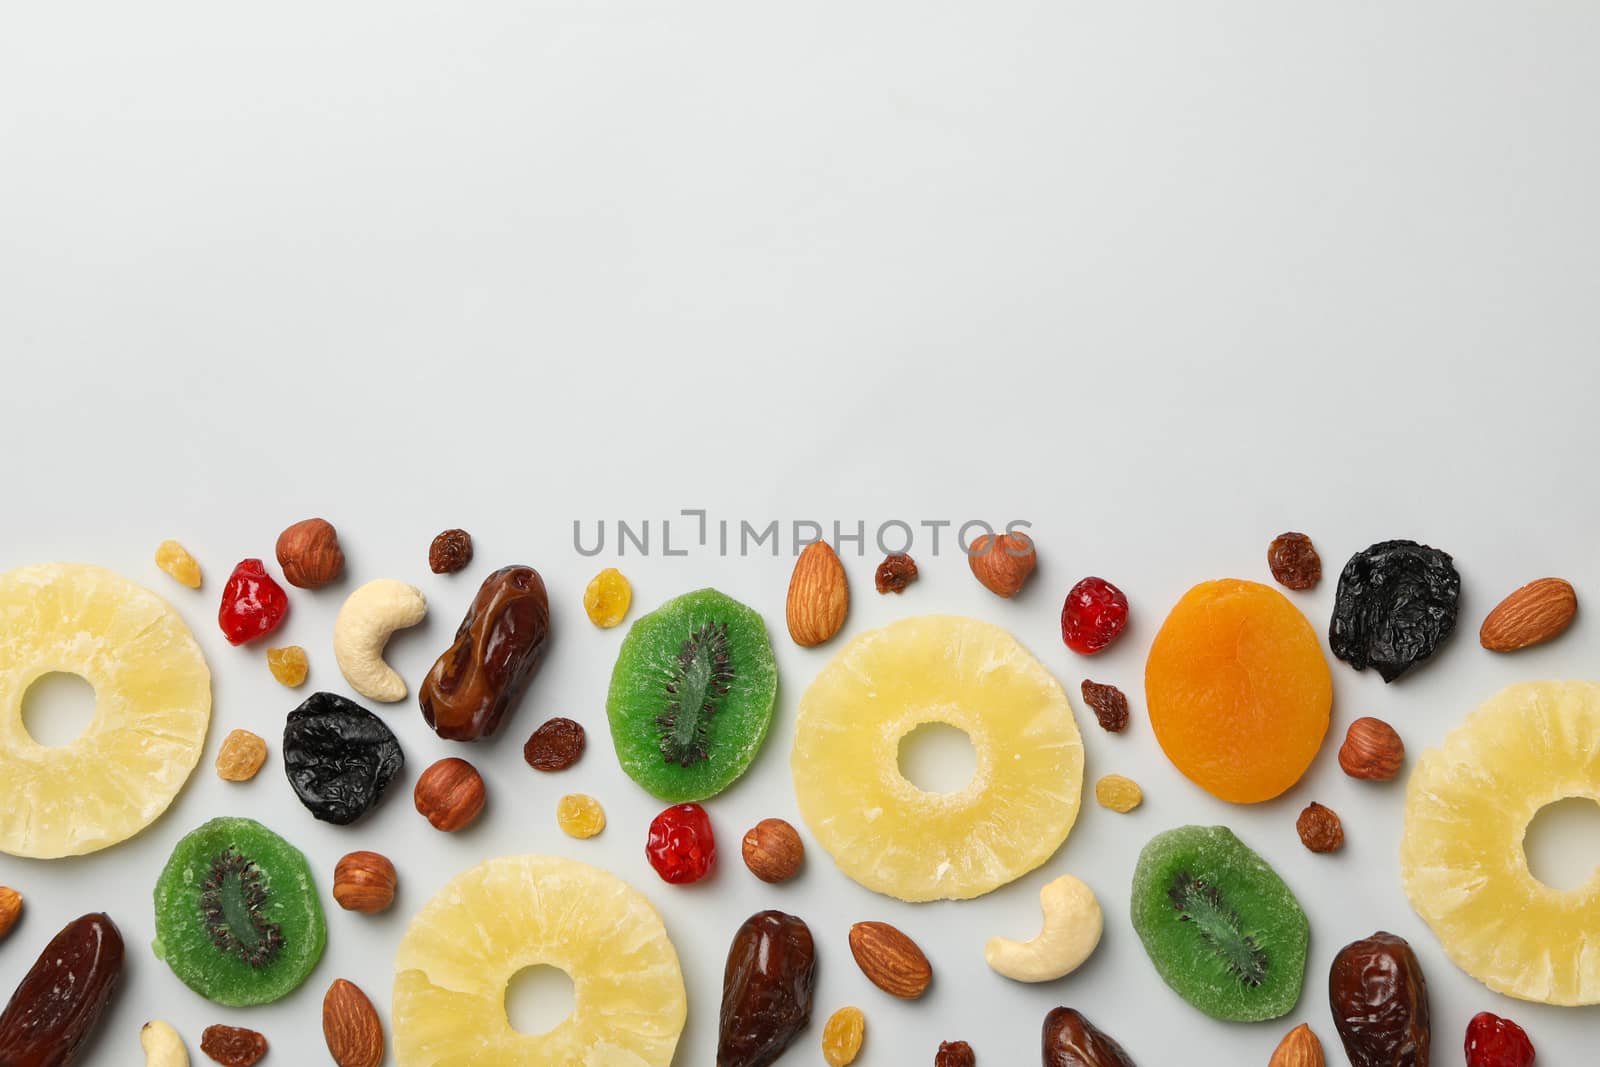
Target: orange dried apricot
{"x":1238,"y":690}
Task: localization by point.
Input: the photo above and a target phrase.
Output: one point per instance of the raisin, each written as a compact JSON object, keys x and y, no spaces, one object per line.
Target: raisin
{"x":895,"y":573}
{"x":288,"y":665}
{"x":681,"y":846}
{"x":607,"y":597}
{"x":955,"y":1054}
{"x":1294,"y":561}
{"x":1496,"y":1042}
{"x":1379,"y":999}
{"x":1094,"y":615}
{"x":842,"y":1037}
{"x":241,"y":756}
{"x":233,"y":1046}
{"x":339,"y":757}
{"x":1118,"y":794}
{"x":767,"y":987}
{"x":252,"y":603}
{"x":451,"y":551}
{"x":1320,"y":829}
{"x":1395,"y":604}
{"x":1110,"y":705}
{"x":555,"y":745}
{"x":580,"y":815}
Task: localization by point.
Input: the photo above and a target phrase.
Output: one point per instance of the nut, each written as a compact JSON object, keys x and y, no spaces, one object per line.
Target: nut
{"x":362,"y":628}
{"x":1320,"y":829}
{"x":162,"y":1045}
{"x":450,"y":794}
{"x":364,"y":881}
{"x":241,"y":756}
{"x":819,"y":596}
{"x":1002,"y":563}
{"x":10,"y":909}
{"x":351,"y":1026}
{"x":1299,"y":1049}
{"x":890,"y":960}
{"x":1533,"y":614}
{"x":1072,"y":926}
{"x":309,"y":554}
{"x":773,"y":851}
{"x":1372,"y":751}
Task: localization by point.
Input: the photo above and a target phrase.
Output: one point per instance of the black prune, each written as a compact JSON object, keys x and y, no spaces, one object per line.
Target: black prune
{"x":1396,"y":602}
{"x":339,"y":757}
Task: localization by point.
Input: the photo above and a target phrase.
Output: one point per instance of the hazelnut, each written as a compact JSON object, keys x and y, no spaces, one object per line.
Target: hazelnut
{"x":364,"y":881}
{"x":10,"y":908}
{"x":773,"y":851}
{"x":309,"y":554}
{"x":450,"y":794}
{"x":1002,"y":563}
{"x":1372,"y":750}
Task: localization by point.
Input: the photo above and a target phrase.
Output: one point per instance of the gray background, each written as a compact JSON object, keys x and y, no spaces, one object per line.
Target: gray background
{"x":1161,"y":278}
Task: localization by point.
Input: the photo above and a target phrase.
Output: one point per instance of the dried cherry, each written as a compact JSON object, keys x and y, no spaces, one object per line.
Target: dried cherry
{"x":1094,"y":615}
{"x":1395,"y":604}
{"x":339,"y":757}
{"x":1109,"y":704}
{"x":1379,"y":999}
{"x":681,"y":846}
{"x":1294,"y":561}
{"x":252,"y":603}
{"x":555,"y":745}
{"x":767,"y":987}
{"x":1496,"y":1042}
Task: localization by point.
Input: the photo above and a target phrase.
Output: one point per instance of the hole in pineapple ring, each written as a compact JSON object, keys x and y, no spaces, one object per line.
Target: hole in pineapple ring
{"x":938,"y":758}
{"x":539,"y":999}
{"x":1562,"y":843}
{"x":57,"y":708}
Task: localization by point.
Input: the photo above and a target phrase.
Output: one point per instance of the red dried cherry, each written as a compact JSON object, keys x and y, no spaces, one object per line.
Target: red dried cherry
{"x":1496,"y":1042}
{"x":1093,"y":616}
{"x":682,"y":847}
{"x":252,"y":603}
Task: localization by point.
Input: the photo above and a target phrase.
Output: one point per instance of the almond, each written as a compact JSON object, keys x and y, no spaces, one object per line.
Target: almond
{"x":10,"y":908}
{"x":1002,"y":563}
{"x":1533,"y":614}
{"x":819,"y":597}
{"x":1372,"y":750}
{"x":890,"y":960}
{"x":1300,"y":1049}
{"x":351,"y":1027}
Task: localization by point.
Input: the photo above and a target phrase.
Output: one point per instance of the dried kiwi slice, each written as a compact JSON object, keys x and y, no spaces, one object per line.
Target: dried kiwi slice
{"x":692,"y":695}
{"x":237,"y":915}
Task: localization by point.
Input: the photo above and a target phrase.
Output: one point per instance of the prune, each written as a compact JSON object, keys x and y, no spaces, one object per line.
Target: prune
{"x":1396,"y":603}
{"x":62,"y":997}
{"x":1380,"y":1003}
{"x":478,"y":679}
{"x":339,"y":757}
{"x":1070,"y":1040}
{"x":766,"y":989}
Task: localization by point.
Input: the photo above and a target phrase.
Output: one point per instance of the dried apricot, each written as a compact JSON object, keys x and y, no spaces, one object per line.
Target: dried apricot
{"x":288,"y":665}
{"x":607,"y":598}
{"x":580,"y":815}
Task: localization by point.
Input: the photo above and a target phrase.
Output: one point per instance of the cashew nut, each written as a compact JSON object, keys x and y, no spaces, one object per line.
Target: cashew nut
{"x":162,"y":1045}
{"x":368,"y":617}
{"x":1072,"y":925}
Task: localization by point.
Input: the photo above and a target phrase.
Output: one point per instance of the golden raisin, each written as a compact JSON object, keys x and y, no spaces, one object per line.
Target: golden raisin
{"x":607,"y":598}
{"x":841,"y":1037}
{"x":176,"y":561}
{"x":1119,"y":794}
{"x":241,"y":757}
{"x":288,"y":665}
{"x":580,"y":815}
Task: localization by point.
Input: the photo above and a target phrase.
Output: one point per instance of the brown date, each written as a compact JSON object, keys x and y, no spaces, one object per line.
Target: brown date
{"x":59,"y":1001}
{"x":495,"y":652}
{"x":1380,"y":1003}
{"x":1070,"y":1040}
{"x":766,"y":989}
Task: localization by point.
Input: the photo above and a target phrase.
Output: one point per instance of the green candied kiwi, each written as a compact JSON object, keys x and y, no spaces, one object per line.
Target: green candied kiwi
{"x":237,"y":915}
{"x":692,"y":695}
{"x":1221,"y":927}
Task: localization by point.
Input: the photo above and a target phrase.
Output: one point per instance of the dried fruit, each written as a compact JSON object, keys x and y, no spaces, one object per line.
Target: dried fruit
{"x":681,"y":847}
{"x":351,"y":1027}
{"x":366,"y":620}
{"x":476,"y":682}
{"x":954,"y":1054}
{"x":1109,"y":704}
{"x":1119,"y":794}
{"x":176,"y":561}
{"x":842,"y":1036}
{"x":1094,"y":615}
{"x":310,"y":555}
{"x":1532,"y":615}
{"x":288,"y":665}
{"x":555,"y":745}
{"x":773,"y":851}
{"x":1320,"y":829}
{"x":364,"y":882}
{"x":895,"y":573}
{"x":607,"y":597}
{"x":1380,"y":1003}
{"x":1496,"y":1042}
{"x":1372,"y":750}
{"x":1070,"y":1040}
{"x":10,"y":909}
{"x":819,"y":596}
{"x":1003,"y":563}
{"x":450,"y":552}
{"x":241,"y":756}
{"x":767,"y":986}
{"x":1299,"y":1048}
{"x":890,"y":960}
{"x":1073,"y":923}
{"x":233,"y":1046}
{"x":580,"y":815}
{"x":339,"y":757}
{"x":1396,"y":603}
{"x":252,"y":603}
{"x":1294,"y":561}
{"x":450,"y":794}
{"x":60,"y":1000}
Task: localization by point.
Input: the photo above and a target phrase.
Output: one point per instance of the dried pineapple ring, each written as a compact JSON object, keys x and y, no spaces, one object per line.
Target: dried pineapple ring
{"x":1468,"y":806}
{"x":152,"y":707}
{"x":897,"y":839}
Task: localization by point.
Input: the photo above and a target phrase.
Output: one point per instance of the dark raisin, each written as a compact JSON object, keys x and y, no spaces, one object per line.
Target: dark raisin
{"x":1396,"y":602}
{"x":1320,"y":829}
{"x":339,"y":757}
{"x":955,"y":1054}
{"x":233,"y":1046}
{"x":555,"y":745}
{"x":766,"y":989}
{"x":1379,"y":999}
{"x":450,"y":552}
{"x":1109,"y":704}
{"x":895,"y":573}
{"x":1294,"y":561}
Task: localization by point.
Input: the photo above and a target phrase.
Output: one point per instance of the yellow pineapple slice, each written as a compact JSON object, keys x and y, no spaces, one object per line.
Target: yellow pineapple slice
{"x":467,"y":943}
{"x":897,"y":839}
{"x":1468,"y":806}
{"x":152,"y":708}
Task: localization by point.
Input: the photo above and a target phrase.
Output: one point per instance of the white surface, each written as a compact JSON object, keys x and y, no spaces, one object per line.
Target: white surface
{"x":1161,"y":278}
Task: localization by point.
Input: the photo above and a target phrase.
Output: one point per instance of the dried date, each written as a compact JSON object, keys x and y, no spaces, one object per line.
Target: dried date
{"x":496,"y":650}
{"x":766,"y":989}
{"x":233,"y":1046}
{"x":62,"y":997}
{"x":1070,"y":1040}
{"x":339,"y":757}
{"x":1395,"y":604}
{"x":1379,"y":999}
{"x":556,"y":745}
